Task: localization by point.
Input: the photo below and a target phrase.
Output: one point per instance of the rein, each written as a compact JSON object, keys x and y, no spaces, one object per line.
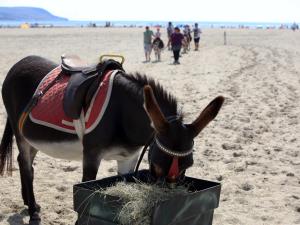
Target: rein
{"x":148,"y":143}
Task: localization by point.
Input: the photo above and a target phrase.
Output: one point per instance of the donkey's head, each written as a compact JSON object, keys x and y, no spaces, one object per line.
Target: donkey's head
{"x":171,"y":151}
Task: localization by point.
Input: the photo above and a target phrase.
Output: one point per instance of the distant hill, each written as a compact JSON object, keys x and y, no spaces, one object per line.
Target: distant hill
{"x":27,"y":14}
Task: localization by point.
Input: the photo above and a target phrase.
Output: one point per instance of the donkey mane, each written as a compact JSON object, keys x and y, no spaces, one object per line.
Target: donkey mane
{"x":166,"y":101}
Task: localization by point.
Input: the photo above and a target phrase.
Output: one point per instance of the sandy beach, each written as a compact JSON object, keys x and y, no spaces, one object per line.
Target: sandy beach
{"x":252,"y":147}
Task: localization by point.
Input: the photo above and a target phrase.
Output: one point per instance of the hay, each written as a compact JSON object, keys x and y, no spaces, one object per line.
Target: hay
{"x":139,"y":200}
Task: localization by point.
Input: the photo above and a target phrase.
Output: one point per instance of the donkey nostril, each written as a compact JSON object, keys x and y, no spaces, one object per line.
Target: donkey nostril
{"x":172,"y":179}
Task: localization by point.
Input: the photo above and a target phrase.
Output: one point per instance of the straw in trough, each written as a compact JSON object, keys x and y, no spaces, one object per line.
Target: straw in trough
{"x":139,"y":200}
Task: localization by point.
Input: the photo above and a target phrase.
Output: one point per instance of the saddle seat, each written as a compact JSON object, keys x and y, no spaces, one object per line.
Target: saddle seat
{"x":72,"y":63}
{"x":83,"y":83}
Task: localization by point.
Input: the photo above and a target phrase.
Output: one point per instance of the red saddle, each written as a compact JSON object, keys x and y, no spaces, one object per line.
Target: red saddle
{"x":49,"y":109}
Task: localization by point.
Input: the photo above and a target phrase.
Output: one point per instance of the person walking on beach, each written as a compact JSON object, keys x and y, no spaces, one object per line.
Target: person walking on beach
{"x":177,"y":39}
{"x":148,"y":43}
{"x":197,"y":31}
{"x":170,"y":31}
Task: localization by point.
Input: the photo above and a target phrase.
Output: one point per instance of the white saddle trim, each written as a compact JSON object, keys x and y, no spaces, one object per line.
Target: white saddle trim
{"x":105,"y":104}
{"x":52,"y":125}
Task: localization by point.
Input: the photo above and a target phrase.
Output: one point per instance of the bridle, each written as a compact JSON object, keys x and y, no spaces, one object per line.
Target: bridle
{"x":172,"y":152}
{"x":153,"y":140}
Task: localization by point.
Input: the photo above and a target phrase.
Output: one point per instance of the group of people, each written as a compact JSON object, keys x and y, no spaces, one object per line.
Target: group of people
{"x":157,"y":44}
{"x":176,"y":41}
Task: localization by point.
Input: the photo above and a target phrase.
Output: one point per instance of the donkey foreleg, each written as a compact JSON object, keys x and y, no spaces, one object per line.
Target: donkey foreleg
{"x":91,"y":163}
{"x":127,"y":165}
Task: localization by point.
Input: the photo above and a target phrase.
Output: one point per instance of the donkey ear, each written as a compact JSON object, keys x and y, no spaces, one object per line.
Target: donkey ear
{"x":207,"y":115}
{"x":150,"y":104}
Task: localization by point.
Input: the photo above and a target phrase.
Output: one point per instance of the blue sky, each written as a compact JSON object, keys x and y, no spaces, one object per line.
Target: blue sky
{"x":174,"y":10}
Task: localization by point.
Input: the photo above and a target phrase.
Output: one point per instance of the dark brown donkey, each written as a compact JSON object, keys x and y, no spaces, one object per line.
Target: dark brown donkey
{"x":138,"y":108}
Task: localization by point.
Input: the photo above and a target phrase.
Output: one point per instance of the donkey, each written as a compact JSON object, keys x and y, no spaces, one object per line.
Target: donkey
{"x":187,"y":38}
{"x":158,"y":46}
{"x":139,"y":108}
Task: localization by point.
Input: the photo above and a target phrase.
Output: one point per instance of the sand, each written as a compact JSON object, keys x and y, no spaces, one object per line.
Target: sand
{"x":252,"y":147}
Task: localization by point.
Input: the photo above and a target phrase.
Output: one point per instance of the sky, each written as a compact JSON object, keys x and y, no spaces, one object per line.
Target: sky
{"x":169,"y":10}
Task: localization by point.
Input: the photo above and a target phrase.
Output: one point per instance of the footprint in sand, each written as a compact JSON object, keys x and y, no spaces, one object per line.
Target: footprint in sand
{"x":246,"y":186}
{"x":70,"y":168}
{"x":61,"y":188}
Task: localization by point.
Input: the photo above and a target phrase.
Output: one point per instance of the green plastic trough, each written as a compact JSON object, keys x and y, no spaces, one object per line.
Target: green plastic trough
{"x":194,"y":208}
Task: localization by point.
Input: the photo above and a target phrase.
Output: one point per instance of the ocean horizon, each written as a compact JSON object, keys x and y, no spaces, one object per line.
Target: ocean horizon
{"x":86,"y":23}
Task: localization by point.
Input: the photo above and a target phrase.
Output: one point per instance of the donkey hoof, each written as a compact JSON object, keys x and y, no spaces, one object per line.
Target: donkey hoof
{"x":35,"y":222}
{"x":35,"y":219}
{"x":38,"y":207}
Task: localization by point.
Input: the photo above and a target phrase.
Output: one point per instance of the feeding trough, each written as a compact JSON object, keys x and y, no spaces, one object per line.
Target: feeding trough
{"x":194,"y":207}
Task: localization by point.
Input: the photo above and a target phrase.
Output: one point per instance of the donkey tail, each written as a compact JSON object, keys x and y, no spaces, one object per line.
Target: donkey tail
{"x":6,"y":149}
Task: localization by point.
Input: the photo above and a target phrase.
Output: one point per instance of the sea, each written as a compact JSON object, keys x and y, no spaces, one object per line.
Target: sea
{"x":207,"y":24}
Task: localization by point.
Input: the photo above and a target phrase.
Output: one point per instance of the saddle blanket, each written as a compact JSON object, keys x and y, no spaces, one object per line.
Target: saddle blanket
{"x":49,"y":109}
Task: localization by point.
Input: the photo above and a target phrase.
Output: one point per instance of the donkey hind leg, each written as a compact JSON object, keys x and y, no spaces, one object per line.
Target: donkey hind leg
{"x":25,"y":160}
{"x":158,"y":55}
{"x":128,"y":165}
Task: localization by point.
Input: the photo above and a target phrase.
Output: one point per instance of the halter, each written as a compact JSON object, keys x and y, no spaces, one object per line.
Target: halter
{"x":154,"y":140}
{"x":172,"y":152}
